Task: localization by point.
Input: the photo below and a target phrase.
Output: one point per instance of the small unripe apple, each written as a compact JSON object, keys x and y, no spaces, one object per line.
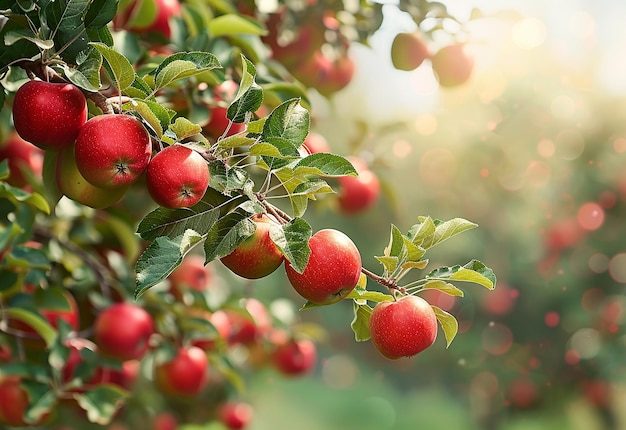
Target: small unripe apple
{"x":122,"y":331}
{"x":452,"y":65}
{"x":49,"y":115}
{"x":112,"y":150}
{"x":184,"y":375}
{"x":257,"y":256}
{"x":73,"y":185}
{"x":358,"y":193}
{"x":408,"y":51}
{"x":22,"y":157}
{"x":403,"y":328}
{"x":235,"y":415}
{"x":295,"y":357}
{"x":177,"y":177}
{"x":333,"y":269}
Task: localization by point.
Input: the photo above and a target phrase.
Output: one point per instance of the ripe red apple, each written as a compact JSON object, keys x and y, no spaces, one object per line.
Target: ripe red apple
{"x":149,"y":16}
{"x":184,"y":375}
{"x":22,"y":157}
{"x":218,"y":122}
{"x":308,"y":38}
{"x":295,"y":357}
{"x":333,"y":269}
{"x":122,"y":331}
{"x":358,"y":193}
{"x":112,"y":150}
{"x":403,"y":328}
{"x":164,"y":421}
{"x":408,"y":51}
{"x":177,"y":177}
{"x":249,"y":328}
{"x":257,"y":256}
{"x":191,"y":274}
{"x":47,"y":114}
{"x":452,"y":65}
{"x":340,"y":75}
{"x":222,"y":323}
{"x":14,"y":402}
{"x":316,"y":143}
{"x":235,"y":415}
{"x":73,"y":185}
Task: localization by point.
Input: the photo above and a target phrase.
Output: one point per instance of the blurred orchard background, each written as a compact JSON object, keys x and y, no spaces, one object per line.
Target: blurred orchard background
{"x":532,"y":148}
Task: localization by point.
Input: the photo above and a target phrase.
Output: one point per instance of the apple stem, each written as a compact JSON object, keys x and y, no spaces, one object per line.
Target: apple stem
{"x":389,"y":283}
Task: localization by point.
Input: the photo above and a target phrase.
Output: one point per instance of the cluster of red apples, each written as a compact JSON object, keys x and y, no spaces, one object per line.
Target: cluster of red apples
{"x":452,"y":64}
{"x":99,"y":158}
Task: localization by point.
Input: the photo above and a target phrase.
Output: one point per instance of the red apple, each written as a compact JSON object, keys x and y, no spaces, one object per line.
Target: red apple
{"x":177,"y":177}
{"x":14,"y":402}
{"x":122,"y":331}
{"x":164,"y":421}
{"x":184,"y":375}
{"x":218,"y":122}
{"x":452,"y":65}
{"x":192,"y":274}
{"x":316,"y":143}
{"x":333,"y":269}
{"x":73,"y":185}
{"x":403,"y":328}
{"x":22,"y":157}
{"x":308,"y":38}
{"x":235,"y":415}
{"x":295,"y":357}
{"x":408,"y":51}
{"x":339,"y":76}
{"x":149,"y":16}
{"x":249,"y":328}
{"x":112,"y":150}
{"x":257,"y":256}
{"x":47,"y":114}
{"x":522,"y":393}
{"x":222,"y":323}
{"x":358,"y":193}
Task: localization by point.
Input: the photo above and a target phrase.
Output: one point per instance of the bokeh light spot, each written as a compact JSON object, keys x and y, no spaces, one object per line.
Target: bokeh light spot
{"x":617,"y":268}
{"x":339,"y":371}
{"x":586,"y":342}
{"x":497,"y":339}
{"x":552,"y":319}
{"x":546,"y":148}
{"x":599,"y":263}
{"x":485,"y":384}
{"x":401,"y":148}
{"x":590,"y":216}
{"x":426,"y":124}
{"x":529,"y":33}
{"x":619,"y":145}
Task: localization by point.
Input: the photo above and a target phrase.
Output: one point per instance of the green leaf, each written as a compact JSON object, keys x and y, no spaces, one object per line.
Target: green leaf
{"x":160,"y":259}
{"x":235,"y":141}
{"x":174,"y":222}
{"x":474,"y":271}
{"x":42,"y":400}
{"x":117,"y":66}
{"x":249,"y":95}
{"x":102,"y":402}
{"x":13,"y":36}
{"x":157,"y":116}
{"x":230,"y":23}
{"x":293,"y":241}
{"x":289,"y":121}
{"x":16,"y":194}
{"x":300,"y":195}
{"x":361,"y":322}
{"x":389,"y":263}
{"x":183,"y":65}
{"x":21,"y":49}
{"x":183,"y":128}
{"x":371,"y":296}
{"x":449,"y":324}
{"x":87,"y":73}
{"x":100,"y":13}
{"x":424,"y":228}
{"x":227,"y":233}
{"x":446,"y":230}
{"x":34,"y":320}
{"x":396,"y":246}
{"x":444,"y":287}
{"x":324,"y":165}
{"x":51,"y":190}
